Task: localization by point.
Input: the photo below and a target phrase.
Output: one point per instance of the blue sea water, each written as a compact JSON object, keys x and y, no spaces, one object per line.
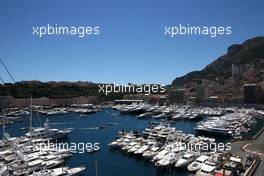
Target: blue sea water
{"x":110,"y":162}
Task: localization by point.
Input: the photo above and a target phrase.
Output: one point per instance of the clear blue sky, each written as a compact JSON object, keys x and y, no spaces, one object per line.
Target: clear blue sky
{"x":131,"y":47}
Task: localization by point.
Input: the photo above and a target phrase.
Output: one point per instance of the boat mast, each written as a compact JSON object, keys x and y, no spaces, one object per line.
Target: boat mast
{"x":3,"y":132}
{"x":30,"y":118}
{"x":95,"y":167}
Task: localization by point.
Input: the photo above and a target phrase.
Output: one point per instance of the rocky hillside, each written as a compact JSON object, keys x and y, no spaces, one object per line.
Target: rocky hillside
{"x":251,"y":51}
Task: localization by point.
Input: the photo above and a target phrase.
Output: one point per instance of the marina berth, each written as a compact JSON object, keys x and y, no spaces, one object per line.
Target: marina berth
{"x":157,"y":140}
{"x":165,"y":146}
{"x":33,"y":153}
{"x":160,"y":144}
{"x":24,"y":159}
{"x":229,"y":121}
{"x":231,"y":124}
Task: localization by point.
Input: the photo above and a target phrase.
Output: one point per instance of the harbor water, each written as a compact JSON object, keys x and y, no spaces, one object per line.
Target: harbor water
{"x":102,"y":127}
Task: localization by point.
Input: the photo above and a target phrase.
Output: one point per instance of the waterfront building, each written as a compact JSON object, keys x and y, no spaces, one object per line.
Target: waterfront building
{"x":177,"y":96}
{"x":249,"y":93}
{"x":8,"y":101}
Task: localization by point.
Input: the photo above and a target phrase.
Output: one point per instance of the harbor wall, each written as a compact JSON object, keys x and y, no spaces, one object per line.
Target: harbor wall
{"x":8,"y":102}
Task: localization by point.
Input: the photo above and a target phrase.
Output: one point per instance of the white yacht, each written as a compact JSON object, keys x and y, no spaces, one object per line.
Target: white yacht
{"x":62,"y":171}
{"x":51,"y":172}
{"x":162,"y":115}
{"x":135,"y":148}
{"x":54,"y":111}
{"x":30,"y":167}
{"x":150,"y":153}
{"x":207,"y":168}
{"x":3,"y":169}
{"x":47,"y":133}
{"x":142,"y":149}
{"x":169,"y":159}
{"x":160,"y":155}
{"x":53,"y":163}
{"x":197,"y":164}
{"x":129,"y":146}
{"x":75,"y":171}
{"x":177,"y":116}
{"x":115,"y":143}
{"x":185,"y":160}
{"x":145,"y":115}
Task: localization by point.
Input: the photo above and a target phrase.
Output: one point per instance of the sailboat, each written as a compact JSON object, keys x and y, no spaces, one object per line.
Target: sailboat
{"x":45,"y":132}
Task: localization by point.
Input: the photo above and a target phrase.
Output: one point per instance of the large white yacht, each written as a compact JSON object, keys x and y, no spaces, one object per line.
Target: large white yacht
{"x":197,"y":164}
{"x":47,"y":133}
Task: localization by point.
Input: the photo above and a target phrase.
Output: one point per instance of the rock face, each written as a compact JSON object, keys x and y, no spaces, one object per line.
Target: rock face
{"x":233,"y":49}
{"x":251,"y":51}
